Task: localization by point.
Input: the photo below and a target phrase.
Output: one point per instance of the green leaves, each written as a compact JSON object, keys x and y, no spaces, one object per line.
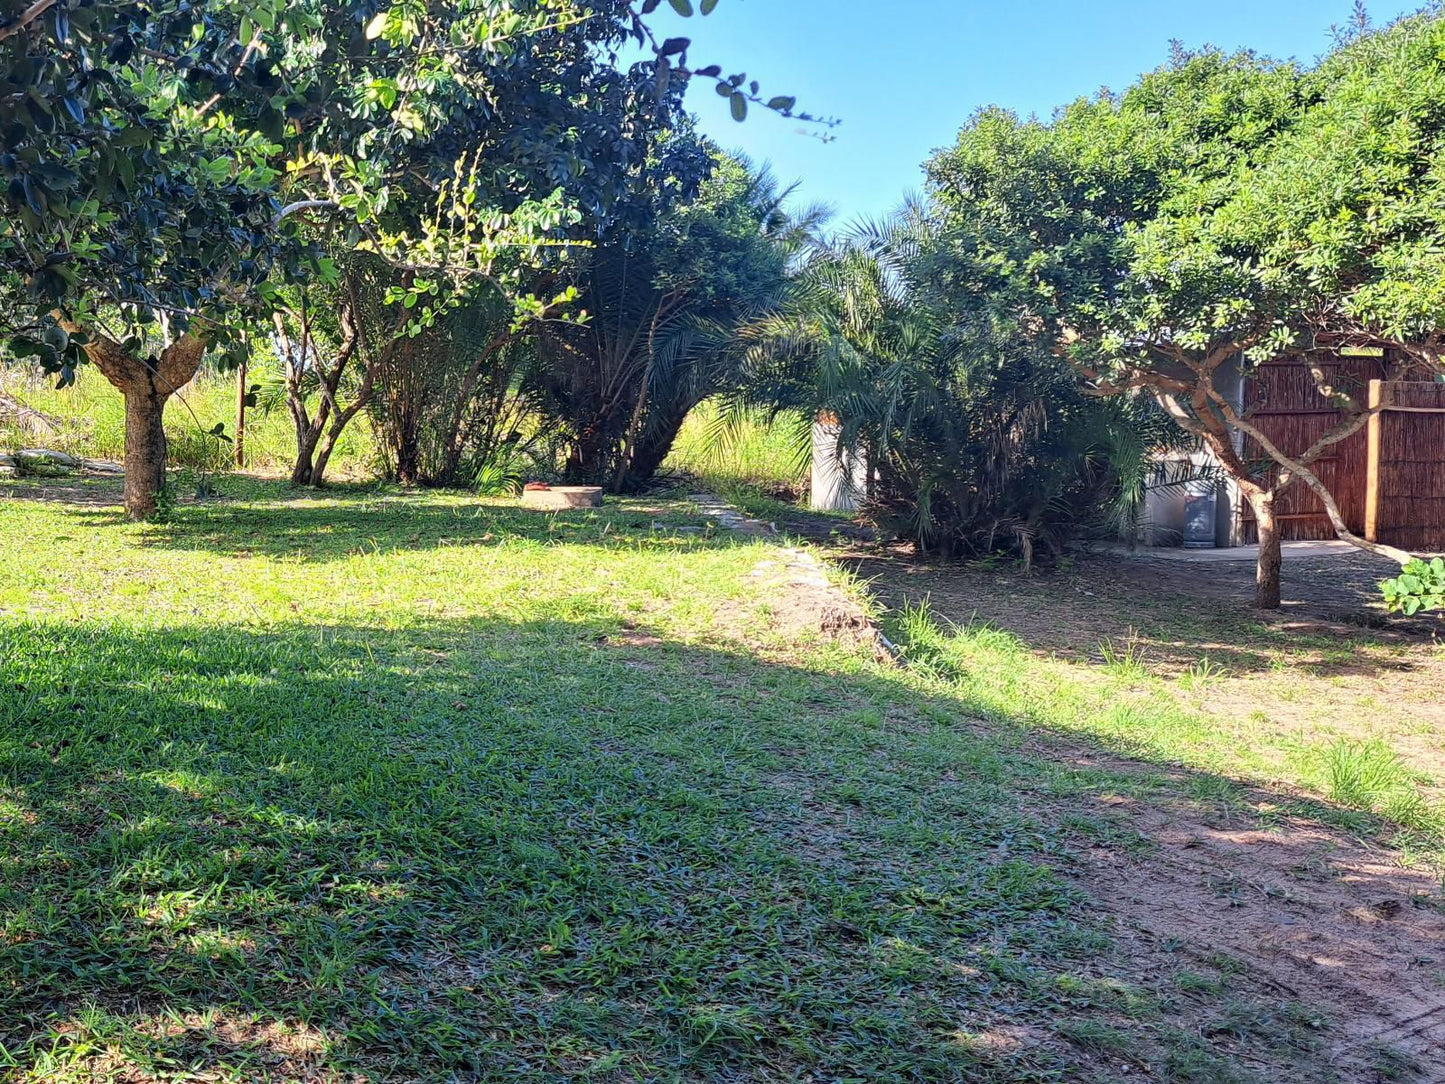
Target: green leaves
{"x":1420,"y":587}
{"x":682,"y":7}
{"x":738,"y":106}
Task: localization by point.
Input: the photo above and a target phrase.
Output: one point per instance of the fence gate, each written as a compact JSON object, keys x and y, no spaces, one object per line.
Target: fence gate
{"x":1282,"y":398}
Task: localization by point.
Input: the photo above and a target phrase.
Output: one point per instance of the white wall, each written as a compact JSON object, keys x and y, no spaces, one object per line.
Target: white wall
{"x":838,"y":486}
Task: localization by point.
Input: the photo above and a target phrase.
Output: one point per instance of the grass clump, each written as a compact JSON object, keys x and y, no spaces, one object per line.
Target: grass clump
{"x":1369,"y":775}
{"x":1124,"y":658}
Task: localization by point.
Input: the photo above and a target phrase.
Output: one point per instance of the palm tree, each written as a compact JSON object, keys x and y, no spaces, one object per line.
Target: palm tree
{"x":667,"y":302}
{"x":976,"y":435}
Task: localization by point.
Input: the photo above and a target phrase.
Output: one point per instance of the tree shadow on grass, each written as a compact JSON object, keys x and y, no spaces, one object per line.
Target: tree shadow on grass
{"x":490,"y":850}
{"x":1149,"y":606}
{"x":317,"y":528}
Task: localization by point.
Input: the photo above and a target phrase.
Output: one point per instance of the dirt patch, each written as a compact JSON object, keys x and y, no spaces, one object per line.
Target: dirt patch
{"x":1283,"y":914}
{"x":792,"y":592}
{"x":1069,"y":610}
{"x":1303,"y":910}
{"x":1303,"y":675}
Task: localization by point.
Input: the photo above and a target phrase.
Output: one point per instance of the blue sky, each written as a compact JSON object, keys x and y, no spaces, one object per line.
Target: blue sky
{"x":903,"y":75}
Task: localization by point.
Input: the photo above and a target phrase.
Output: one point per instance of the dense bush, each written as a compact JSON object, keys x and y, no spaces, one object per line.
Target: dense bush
{"x":977,"y":435}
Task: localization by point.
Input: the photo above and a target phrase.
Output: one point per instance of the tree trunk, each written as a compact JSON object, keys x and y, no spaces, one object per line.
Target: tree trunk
{"x":1266,"y":572}
{"x":145,"y":447}
{"x":408,"y":454}
{"x":326,"y":446}
{"x":240,"y":448}
{"x":146,"y":385}
{"x":308,"y":434}
{"x":301,"y":469}
{"x":652,"y":446}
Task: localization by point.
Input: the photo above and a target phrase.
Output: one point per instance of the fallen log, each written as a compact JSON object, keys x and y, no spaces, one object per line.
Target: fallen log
{"x":37,"y":459}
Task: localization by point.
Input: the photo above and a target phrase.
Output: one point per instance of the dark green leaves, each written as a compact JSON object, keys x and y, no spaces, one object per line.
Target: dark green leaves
{"x":738,"y":106}
{"x":682,"y":7}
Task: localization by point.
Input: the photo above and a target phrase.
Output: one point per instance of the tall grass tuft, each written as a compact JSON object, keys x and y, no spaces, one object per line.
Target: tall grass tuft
{"x":728,"y":451}
{"x":1370,"y":776}
{"x":1125,"y":658}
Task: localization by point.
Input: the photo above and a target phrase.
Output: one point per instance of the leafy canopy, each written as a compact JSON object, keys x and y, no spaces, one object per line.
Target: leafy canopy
{"x":160,"y":158}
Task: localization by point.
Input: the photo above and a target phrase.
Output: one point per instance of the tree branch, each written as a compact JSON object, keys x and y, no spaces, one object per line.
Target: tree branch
{"x":28,"y":16}
{"x":1302,"y":470}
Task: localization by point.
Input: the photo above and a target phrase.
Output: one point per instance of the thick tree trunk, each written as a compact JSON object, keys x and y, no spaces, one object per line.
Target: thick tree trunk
{"x":307,"y":430}
{"x":145,"y":447}
{"x":324,"y":449}
{"x":301,"y":469}
{"x":652,"y":447}
{"x":408,"y":455}
{"x":146,"y":386}
{"x":1267,"y":567}
{"x":584,"y":459}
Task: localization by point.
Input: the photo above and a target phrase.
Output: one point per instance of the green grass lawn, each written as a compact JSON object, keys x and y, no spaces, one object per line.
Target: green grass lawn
{"x":392,"y":786}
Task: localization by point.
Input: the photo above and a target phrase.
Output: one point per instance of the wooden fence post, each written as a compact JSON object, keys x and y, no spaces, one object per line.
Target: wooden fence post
{"x":240,"y":447}
{"x":1372,"y":461}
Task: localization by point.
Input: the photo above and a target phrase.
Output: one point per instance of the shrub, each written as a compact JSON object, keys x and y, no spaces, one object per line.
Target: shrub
{"x":1419,"y":587}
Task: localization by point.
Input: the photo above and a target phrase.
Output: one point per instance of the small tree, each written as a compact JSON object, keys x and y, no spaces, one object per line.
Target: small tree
{"x":126,"y":211}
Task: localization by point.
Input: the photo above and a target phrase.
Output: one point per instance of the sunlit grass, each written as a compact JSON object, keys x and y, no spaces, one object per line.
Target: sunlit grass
{"x":1120,"y":701}
{"x":750,"y":453}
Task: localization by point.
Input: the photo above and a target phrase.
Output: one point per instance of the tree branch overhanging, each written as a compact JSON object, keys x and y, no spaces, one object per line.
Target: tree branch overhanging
{"x":28,"y":16}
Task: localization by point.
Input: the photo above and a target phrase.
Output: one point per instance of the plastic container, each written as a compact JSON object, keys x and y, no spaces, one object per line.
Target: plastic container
{"x":1199,"y":519}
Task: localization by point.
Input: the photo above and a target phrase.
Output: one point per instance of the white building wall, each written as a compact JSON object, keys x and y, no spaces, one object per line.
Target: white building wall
{"x":839,"y":484}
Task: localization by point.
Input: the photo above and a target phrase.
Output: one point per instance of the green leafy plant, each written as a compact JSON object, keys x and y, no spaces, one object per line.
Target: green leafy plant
{"x":1419,"y":587}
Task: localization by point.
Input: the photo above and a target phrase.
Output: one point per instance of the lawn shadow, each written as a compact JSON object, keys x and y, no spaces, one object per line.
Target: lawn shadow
{"x":1173,"y":621}
{"x":332,"y":525}
{"x":492,"y":850}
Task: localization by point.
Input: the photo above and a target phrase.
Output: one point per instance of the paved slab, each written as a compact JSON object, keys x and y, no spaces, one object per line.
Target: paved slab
{"x":1331,"y":548}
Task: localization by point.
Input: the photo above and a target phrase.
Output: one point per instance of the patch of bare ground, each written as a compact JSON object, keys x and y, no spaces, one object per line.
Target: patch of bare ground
{"x":1284,"y":907}
{"x":792,"y":599}
{"x":1330,"y":666}
{"x":1278,"y":914}
{"x":256,"y":1048}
